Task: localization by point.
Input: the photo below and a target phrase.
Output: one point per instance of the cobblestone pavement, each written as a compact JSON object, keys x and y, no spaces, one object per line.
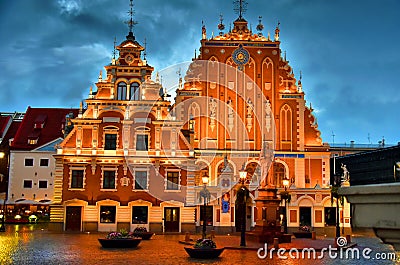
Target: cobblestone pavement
{"x":26,"y":245}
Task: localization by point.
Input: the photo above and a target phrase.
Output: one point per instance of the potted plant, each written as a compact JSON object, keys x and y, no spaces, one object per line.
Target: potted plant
{"x":304,"y":232}
{"x":204,"y":249}
{"x":143,"y":233}
{"x":121,"y":239}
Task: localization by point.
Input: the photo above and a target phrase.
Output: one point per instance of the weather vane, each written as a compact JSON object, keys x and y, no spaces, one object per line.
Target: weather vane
{"x":131,"y":23}
{"x":240,"y":7}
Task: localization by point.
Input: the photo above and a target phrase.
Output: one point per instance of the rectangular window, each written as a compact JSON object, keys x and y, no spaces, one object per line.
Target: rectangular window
{"x":29,"y":162}
{"x":208,"y":216}
{"x":107,"y":214}
{"x":173,"y":181}
{"x":140,"y":214}
{"x":42,"y":184}
{"x":44,"y":162}
{"x":27,"y":184}
{"x":77,"y":179}
{"x":110,"y":142}
{"x":140,"y":180}
{"x":109,"y":179}
{"x":142,"y":142}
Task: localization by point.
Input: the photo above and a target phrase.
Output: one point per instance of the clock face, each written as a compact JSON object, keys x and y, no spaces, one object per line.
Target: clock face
{"x":240,"y":56}
{"x":129,"y":58}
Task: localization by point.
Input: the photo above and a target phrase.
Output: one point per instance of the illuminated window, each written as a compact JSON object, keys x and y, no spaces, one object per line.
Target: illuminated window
{"x":172,"y":181}
{"x":107,"y":214}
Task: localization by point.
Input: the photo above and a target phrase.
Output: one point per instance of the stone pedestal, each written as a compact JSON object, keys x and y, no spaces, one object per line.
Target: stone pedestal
{"x":268,"y":224}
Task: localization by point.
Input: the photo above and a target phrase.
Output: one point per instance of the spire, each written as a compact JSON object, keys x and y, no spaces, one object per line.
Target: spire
{"x":221,"y":25}
{"x":299,"y":85}
{"x":131,"y":23}
{"x":240,"y":8}
{"x":260,"y":26}
{"x":114,"y":51}
{"x":277,"y":30}
{"x":145,"y":49}
{"x":203,"y":31}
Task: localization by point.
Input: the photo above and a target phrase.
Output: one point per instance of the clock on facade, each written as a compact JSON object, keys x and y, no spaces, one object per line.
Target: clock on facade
{"x":240,"y":56}
{"x":129,"y":58}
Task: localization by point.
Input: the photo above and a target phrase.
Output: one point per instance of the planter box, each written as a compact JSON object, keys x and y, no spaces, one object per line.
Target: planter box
{"x":204,"y":253}
{"x":144,"y":235}
{"x":119,"y":243}
{"x":302,"y":234}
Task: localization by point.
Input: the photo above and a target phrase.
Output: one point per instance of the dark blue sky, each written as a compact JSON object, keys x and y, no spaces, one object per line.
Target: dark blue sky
{"x":51,"y":52}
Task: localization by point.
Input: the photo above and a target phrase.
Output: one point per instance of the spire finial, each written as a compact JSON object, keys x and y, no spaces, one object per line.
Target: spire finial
{"x":260,"y":26}
{"x":240,"y":7}
{"x":114,"y":50}
{"x":277,"y":30}
{"x":180,"y":86}
{"x":131,"y":23}
{"x":221,"y":25}
{"x":145,"y":49}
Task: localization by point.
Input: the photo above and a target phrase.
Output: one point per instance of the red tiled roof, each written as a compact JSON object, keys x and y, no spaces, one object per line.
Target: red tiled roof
{"x":4,"y":120}
{"x":12,"y":130}
{"x":53,"y":120}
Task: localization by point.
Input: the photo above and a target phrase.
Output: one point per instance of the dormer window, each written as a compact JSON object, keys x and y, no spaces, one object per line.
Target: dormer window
{"x":33,"y":137}
{"x":40,"y":121}
{"x":121,"y":91}
{"x":135,"y":91}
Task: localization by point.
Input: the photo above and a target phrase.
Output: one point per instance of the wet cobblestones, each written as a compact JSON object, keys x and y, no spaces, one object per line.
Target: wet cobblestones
{"x":27,"y":245}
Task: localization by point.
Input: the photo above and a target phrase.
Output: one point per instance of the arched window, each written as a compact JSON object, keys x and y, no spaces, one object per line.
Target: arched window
{"x":286,"y":127}
{"x":135,"y":91}
{"x":121,"y":91}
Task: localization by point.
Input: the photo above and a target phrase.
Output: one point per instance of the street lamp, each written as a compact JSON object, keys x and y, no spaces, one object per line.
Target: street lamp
{"x":206,"y":195}
{"x":285,"y":197}
{"x":241,"y":198}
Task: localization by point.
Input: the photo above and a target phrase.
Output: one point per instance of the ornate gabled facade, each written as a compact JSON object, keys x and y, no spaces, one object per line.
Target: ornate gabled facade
{"x":247,"y":109}
{"x":124,"y":163}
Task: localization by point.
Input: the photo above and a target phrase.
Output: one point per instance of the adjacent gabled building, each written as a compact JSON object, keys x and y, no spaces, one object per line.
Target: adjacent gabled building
{"x":9,"y":124}
{"x":31,"y":163}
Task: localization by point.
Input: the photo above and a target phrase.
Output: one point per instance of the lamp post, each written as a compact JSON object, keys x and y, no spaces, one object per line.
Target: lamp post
{"x":241,"y":198}
{"x":334,"y":194}
{"x":3,"y":217}
{"x":206,"y":195}
{"x":285,"y":198}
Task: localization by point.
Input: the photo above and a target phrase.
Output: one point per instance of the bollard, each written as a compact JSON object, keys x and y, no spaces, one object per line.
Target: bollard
{"x":313,"y":235}
{"x":212,"y":234}
{"x":276,"y":243}
{"x":348,"y":239}
{"x":187,"y":237}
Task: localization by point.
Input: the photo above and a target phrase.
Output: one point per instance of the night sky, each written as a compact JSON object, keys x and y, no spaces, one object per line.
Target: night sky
{"x":51,"y":52}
